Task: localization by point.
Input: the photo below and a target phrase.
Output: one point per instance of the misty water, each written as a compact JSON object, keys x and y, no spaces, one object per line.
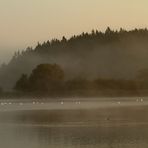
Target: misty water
{"x":74,"y":123}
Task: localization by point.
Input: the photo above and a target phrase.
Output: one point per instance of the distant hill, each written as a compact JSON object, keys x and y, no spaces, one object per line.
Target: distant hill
{"x":109,"y":54}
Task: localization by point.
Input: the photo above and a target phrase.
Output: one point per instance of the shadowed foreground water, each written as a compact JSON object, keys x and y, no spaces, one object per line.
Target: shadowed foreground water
{"x":117,"y":125}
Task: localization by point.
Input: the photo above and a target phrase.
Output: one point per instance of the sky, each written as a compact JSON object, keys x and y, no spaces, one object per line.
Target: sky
{"x":25,"y":22}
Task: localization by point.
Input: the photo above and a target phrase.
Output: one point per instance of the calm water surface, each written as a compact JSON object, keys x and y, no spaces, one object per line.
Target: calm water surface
{"x":70,"y":124}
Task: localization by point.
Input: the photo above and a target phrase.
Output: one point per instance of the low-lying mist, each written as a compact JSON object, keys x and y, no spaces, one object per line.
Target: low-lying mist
{"x":113,"y":54}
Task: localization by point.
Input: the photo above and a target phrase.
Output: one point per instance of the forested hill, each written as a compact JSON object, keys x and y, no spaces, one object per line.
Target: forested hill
{"x":109,"y":54}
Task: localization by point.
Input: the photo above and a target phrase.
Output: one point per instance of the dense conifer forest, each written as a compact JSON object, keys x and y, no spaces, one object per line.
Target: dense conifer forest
{"x":114,"y":59}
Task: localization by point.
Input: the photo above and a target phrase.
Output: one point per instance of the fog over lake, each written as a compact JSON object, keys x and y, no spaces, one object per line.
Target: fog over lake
{"x":74,"y":123}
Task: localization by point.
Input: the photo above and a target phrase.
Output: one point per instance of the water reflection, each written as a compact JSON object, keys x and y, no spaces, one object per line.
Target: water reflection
{"x":80,"y":137}
{"x":109,"y":127}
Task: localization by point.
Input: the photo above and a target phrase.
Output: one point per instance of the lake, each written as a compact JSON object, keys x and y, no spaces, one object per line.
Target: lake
{"x":74,"y":123}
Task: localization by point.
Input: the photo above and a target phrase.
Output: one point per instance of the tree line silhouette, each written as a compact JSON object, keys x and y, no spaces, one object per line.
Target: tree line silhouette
{"x":100,"y":60}
{"x":50,"y":78}
{"x":86,"y":40}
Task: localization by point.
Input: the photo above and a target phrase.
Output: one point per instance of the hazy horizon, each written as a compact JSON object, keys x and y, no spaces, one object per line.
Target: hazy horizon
{"x":24,"y":23}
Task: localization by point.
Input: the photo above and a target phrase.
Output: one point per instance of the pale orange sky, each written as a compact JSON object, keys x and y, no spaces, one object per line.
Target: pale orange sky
{"x":25,"y":22}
